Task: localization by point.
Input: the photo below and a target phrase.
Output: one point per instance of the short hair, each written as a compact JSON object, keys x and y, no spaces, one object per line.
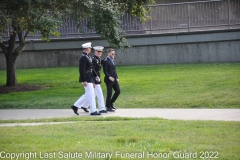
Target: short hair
{"x":110,"y":50}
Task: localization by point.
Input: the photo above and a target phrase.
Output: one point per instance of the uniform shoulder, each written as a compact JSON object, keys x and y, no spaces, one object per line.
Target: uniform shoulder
{"x":93,"y":57}
{"x":83,"y":58}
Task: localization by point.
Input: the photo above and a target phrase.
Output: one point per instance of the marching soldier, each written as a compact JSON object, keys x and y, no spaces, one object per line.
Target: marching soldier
{"x":87,"y":79}
{"x":97,"y":64}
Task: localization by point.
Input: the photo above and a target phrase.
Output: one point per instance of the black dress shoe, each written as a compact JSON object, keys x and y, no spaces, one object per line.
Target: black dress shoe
{"x":85,"y":109}
{"x":113,"y":107}
{"x":103,"y":111}
{"x":95,"y":114}
{"x":75,"y":109}
{"x":110,"y":109}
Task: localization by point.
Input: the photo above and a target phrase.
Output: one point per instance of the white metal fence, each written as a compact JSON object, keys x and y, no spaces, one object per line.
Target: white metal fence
{"x":176,"y":17}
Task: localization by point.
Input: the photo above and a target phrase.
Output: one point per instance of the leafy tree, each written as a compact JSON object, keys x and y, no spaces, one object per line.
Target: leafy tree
{"x":45,"y":16}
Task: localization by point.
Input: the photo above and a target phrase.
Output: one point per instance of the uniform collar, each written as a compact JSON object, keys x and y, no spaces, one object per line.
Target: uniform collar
{"x":85,"y":53}
{"x":96,"y":57}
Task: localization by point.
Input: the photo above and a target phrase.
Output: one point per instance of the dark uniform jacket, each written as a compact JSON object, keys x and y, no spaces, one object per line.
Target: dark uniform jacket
{"x":109,"y":70}
{"x":85,"y":69}
{"x":97,"y":64}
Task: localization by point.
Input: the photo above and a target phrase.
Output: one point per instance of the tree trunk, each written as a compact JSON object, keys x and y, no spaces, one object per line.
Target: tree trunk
{"x":11,"y":72}
{"x":11,"y":53}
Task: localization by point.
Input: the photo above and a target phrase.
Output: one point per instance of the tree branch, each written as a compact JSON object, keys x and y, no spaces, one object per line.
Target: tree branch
{"x":26,"y":34}
{"x":21,"y":46}
{"x":11,"y":42}
{"x":12,"y":39}
{"x":31,"y":27}
{"x":4,"y":48}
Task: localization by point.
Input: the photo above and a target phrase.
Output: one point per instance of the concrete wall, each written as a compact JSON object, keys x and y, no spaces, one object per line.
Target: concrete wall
{"x":220,"y":46}
{"x":228,"y":51}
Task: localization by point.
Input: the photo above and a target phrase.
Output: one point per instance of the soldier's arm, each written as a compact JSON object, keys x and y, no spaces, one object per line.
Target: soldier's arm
{"x":102,"y":61}
{"x":82,"y":69}
{"x":94,"y":63}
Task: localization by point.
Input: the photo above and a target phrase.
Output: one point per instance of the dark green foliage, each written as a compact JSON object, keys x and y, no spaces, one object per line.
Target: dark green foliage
{"x":45,"y":16}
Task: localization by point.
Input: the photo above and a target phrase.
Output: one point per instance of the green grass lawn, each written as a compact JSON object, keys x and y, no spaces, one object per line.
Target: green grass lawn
{"x":124,"y":138}
{"x":215,"y":85}
{"x":151,"y":86}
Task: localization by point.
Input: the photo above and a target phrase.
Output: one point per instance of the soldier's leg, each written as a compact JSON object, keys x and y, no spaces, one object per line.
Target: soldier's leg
{"x":86,"y":104}
{"x":91,"y":97}
{"x":81,"y":101}
{"x":99,"y":94}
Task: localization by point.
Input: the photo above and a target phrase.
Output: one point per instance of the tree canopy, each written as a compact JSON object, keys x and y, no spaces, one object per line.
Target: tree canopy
{"x":24,"y":16}
{"x":45,"y":16}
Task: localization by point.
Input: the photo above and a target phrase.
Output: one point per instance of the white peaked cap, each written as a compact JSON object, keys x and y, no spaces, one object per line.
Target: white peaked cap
{"x":98,"y":48}
{"x":87,"y":45}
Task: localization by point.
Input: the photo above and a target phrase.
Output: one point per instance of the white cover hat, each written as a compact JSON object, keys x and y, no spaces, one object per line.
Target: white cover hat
{"x":87,"y":45}
{"x":98,"y":48}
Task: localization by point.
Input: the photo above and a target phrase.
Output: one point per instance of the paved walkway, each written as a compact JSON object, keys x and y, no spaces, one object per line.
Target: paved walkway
{"x":178,"y":114}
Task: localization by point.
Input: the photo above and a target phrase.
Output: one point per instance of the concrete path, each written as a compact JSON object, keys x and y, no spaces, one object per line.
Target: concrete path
{"x":178,"y":114}
{"x":30,"y":124}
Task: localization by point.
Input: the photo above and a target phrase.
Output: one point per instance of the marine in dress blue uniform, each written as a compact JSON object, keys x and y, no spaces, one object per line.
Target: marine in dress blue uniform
{"x":97,"y":65}
{"x":87,"y":79}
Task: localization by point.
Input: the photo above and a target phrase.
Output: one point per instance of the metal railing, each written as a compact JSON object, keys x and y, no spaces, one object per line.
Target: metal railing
{"x":191,"y":16}
{"x":175,"y":17}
